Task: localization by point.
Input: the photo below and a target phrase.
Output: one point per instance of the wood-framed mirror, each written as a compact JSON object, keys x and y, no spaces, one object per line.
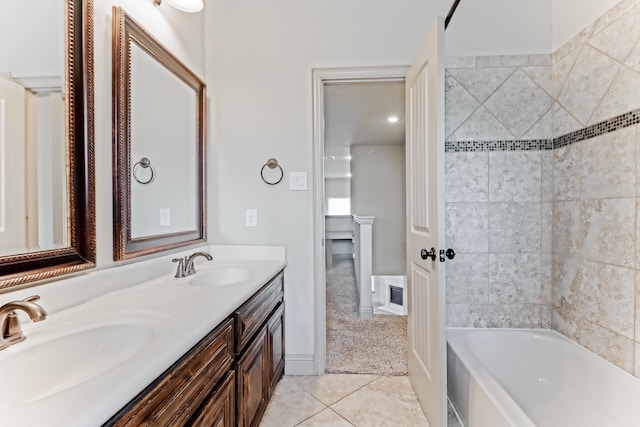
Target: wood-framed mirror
{"x":158,"y":145}
{"x":47,"y":193}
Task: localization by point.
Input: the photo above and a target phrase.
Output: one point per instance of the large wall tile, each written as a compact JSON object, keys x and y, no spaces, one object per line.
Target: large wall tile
{"x":543,"y":77}
{"x":505,"y":315}
{"x":608,"y":231}
{"x":482,"y":82}
{"x":540,"y":59}
{"x":546,"y":227}
{"x":458,"y":315}
{"x":566,"y":227}
{"x":467,"y":227}
{"x":633,"y":60}
{"x":543,"y":129}
{"x":503,"y":61}
{"x":607,"y":296}
{"x":563,"y":121}
{"x":637,"y":238}
{"x":481,"y":126}
{"x":587,"y":83}
{"x":458,"y":103}
{"x":515,"y":176}
{"x":514,"y":227}
{"x":637,"y":159}
{"x":546,"y":281}
{"x":564,"y":324}
{"x":460,"y":62}
{"x":608,"y":165}
{"x":468,"y":278}
{"x":567,"y":163}
{"x":546,"y":186}
{"x":619,"y":37}
{"x":637,"y":364}
{"x":637,"y":319}
{"x":467,"y":177}
{"x":519,"y":103}
{"x":621,"y":97}
{"x":560,"y":71}
{"x":567,"y":277}
{"x":612,"y":15}
{"x":607,"y":344}
{"x":514,"y":279}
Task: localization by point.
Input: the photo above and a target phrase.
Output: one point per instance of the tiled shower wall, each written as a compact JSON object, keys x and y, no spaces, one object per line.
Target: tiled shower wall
{"x":544,"y":206}
{"x":498,"y":190}
{"x":596,"y":187}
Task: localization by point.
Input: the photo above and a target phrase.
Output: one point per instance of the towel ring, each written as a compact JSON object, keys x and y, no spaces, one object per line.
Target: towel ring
{"x":271,"y":164}
{"x":143,"y":163}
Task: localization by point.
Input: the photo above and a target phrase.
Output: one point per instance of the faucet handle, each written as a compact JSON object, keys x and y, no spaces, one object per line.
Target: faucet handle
{"x":32,"y":298}
{"x":180,"y":271}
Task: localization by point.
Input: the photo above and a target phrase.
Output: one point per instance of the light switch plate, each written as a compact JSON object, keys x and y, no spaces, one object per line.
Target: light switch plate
{"x":297,"y":181}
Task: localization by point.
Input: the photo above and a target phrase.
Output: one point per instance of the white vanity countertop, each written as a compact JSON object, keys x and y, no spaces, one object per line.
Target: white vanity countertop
{"x":148,"y":327}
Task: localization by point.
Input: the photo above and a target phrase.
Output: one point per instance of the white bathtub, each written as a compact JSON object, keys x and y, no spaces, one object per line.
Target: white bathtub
{"x":535,"y":377}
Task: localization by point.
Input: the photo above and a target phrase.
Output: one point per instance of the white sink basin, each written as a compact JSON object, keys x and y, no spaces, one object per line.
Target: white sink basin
{"x":220,"y":275}
{"x":35,"y":369}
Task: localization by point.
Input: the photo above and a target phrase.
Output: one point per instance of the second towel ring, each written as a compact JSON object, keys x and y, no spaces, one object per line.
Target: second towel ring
{"x":272,"y":164}
{"x":144,"y":163}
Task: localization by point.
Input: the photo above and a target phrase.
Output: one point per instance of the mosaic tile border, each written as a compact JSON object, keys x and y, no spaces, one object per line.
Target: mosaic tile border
{"x":607,"y":126}
{"x":504,"y":145}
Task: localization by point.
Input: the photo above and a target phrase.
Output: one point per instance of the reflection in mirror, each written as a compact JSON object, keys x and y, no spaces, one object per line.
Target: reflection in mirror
{"x":158,"y":146}
{"x":47,"y":225}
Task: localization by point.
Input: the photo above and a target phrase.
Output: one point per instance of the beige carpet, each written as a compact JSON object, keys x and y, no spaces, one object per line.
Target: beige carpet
{"x":357,"y":346}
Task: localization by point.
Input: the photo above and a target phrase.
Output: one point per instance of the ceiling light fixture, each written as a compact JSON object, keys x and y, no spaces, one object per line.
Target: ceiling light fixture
{"x":393,"y":119}
{"x":190,"y":6}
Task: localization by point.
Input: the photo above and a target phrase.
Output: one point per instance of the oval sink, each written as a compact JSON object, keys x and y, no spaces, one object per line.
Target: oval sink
{"x":35,"y":370}
{"x":220,"y":275}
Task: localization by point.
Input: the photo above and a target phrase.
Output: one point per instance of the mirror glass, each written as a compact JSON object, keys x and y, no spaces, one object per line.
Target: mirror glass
{"x":47,"y":225}
{"x":159,"y":146}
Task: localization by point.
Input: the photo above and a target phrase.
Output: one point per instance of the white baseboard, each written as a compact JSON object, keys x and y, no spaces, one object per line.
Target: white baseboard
{"x":299,"y":364}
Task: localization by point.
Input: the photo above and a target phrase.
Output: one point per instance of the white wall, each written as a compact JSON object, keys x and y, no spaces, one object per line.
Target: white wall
{"x":569,"y":17}
{"x":500,"y":27}
{"x":27,"y":26}
{"x":259,"y":61}
{"x":378,"y":189}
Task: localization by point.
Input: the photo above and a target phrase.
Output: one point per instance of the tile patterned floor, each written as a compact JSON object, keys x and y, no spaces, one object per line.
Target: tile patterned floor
{"x":341,"y":400}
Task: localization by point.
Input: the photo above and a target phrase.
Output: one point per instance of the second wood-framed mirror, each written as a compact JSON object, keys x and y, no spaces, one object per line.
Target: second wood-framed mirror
{"x":159,"y":145}
{"x":47,"y":190}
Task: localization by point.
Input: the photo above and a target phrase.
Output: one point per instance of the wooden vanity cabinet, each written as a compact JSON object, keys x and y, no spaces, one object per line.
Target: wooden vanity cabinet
{"x":176,"y":397}
{"x":219,"y":410}
{"x":275,"y":346}
{"x":226,"y":380}
{"x":260,"y":347}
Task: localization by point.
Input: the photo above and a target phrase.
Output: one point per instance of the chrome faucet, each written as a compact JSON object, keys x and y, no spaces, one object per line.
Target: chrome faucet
{"x":11,"y":329}
{"x":185,"y":264}
{"x":188,"y":266}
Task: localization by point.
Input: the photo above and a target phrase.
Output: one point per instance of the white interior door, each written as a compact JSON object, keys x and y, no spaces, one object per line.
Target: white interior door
{"x":12,"y":165}
{"x":425,"y":226}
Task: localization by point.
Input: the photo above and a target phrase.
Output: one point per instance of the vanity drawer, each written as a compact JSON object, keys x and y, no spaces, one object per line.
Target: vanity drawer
{"x":173,"y":398}
{"x":252,"y":314}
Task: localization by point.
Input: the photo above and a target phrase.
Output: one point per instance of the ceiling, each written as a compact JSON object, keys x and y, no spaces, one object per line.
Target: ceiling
{"x":356,"y":113}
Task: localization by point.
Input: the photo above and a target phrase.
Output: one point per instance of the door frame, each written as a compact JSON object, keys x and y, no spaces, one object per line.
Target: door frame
{"x":320,"y":77}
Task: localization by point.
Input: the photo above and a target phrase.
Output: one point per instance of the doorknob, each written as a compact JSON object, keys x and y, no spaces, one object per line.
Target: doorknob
{"x":424,"y":254}
{"x":450,"y":253}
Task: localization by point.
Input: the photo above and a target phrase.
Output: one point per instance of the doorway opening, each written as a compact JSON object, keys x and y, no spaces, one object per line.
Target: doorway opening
{"x":359,"y":169}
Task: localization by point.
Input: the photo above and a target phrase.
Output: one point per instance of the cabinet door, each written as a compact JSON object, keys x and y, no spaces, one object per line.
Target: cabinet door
{"x":275,"y":340}
{"x":253,"y":382}
{"x":220,"y":408}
